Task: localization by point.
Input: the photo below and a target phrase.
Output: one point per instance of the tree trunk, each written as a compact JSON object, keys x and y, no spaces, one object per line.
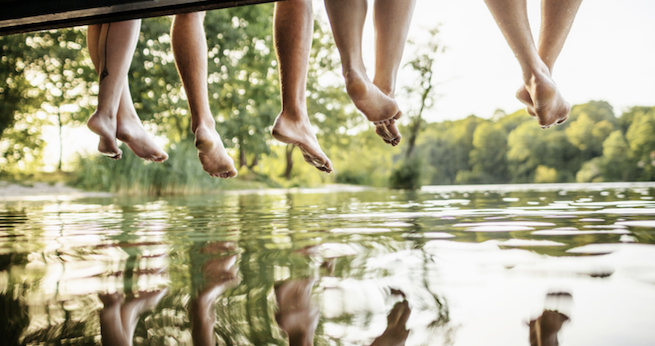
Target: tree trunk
{"x":242,"y":156}
{"x":255,"y":161}
{"x":61,"y":139}
{"x":287,"y":171}
{"x":416,"y":127}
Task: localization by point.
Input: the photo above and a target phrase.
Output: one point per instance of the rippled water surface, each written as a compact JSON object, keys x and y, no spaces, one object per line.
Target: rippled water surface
{"x":487,"y":265}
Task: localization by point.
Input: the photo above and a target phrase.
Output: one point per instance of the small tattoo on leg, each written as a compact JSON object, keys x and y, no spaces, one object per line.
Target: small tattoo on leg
{"x":103,"y":74}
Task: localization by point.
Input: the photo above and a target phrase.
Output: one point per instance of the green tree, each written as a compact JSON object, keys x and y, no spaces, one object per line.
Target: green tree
{"x":423,"y":65}
{"x":19,"y":102}
{"x":589,"y":126}
{"x":642,"y":142}
{"x":618,"y":159}
{"x":446,"y":148}
{"x":67,"y":75}
{"x":488,"y":157}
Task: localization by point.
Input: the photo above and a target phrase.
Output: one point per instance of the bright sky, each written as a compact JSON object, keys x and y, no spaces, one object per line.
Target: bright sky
{"x":610,"y":55}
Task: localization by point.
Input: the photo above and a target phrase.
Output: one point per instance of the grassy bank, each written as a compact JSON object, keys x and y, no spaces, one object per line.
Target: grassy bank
{"x":180,"y":174}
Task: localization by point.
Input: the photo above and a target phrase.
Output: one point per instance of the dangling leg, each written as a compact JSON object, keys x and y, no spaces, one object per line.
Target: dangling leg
{"x":114,"y":49}
{"x":556,"y":21}
{"x":347,"y":20}
{"x":294,"y":26}
{"x":129,"y":128}
{"x":190,"y":49}
{"x":391,"y":19}
{"x":131,"y":132}
{"x":512,"y":18}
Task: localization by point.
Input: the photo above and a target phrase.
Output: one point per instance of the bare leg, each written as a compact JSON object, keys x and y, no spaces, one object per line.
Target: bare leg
{"x":221,"y":274}
{"x":118,"y":320}
{"x":556,"y":21}
{"x":391,"y":19}
{"x":190,"y":49}
{"x":294,"y":23}
{"x":296,"y":315}
{"x":347,"y":20}
{"x":549,"y":106}
{"x":115,"y":46}
{"x":129,"y":128}
{"x":396,"y":333}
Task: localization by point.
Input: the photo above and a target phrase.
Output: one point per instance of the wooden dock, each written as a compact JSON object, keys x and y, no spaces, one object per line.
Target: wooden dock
{"x":19,"y":16}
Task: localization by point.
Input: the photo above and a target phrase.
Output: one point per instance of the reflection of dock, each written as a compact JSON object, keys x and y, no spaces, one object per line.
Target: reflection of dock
{"x":32,"y":15}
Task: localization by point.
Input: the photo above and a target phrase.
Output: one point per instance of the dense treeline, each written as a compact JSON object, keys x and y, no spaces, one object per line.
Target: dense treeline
{"x":47,"y":78}
{"x":593,"y":145}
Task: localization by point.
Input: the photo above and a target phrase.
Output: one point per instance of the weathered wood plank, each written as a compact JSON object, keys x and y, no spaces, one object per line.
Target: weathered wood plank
{"x":19,"y":16}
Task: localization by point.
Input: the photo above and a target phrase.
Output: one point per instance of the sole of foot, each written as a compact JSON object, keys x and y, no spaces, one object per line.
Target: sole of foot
{"x":131,"y":132}
{"x":378,"y":107}
{"x":300,"y":134}
{"x":549,"y":106}
{"x":105,"y":128}
{"x":211,"y":152}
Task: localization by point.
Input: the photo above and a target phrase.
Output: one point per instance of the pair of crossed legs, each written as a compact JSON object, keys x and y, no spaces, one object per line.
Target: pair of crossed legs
{"x":538,"y":92}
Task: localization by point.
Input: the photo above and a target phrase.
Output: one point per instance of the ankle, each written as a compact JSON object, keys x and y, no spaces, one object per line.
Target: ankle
{"x":207,"y":122}
{"x":535,"y":74}
{"x":386,"y":87}
{"x":296,"y":113}
{"x":106,"y":113}
{"x":352,"y":73}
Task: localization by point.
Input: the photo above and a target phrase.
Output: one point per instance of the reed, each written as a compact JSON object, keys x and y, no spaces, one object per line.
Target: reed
{"x":180,"y":174}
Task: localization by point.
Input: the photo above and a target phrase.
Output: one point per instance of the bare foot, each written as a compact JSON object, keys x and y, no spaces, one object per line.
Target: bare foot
{"x":212,"y":154}
{"x":131,"y":132}
{"x":299,"y":133}
{"x":524,"y":96}
{"x":379,"y":108}
{"x":549,"y":105}
{"x":396,"y":333}
{"x":389,"y":131}
{"x":105,"y":127}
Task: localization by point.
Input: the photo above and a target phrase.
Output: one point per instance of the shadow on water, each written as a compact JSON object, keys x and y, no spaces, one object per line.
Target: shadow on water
{"x":439,"y":266}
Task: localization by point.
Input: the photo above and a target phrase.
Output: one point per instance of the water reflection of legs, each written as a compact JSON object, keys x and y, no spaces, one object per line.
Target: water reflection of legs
{"x":396,"y":332}
{"x":220,"y":274}
{"x":297,"y":315}
{"x":544,"y":329}
{"x":118,"y":318}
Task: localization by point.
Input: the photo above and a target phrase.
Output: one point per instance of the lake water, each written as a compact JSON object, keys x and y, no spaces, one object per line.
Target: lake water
{"x":463,"y":265}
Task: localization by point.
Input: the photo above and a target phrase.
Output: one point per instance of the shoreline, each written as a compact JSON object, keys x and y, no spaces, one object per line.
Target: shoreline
{"x":59,"y":191}
{"x":44,"y":191}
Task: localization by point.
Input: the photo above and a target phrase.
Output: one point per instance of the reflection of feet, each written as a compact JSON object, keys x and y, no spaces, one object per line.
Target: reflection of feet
{"x":212,"y":154}
{"x":396,"y":332}
{"x":379,"y":108}
{"x":118,"y":320}
{"x":548,"y":104}
{"x":543,"y":330}
{"x":220,"y":275}
{"x":299,"y":133}
{"x":131,"y":132}
{"x":105,"y":127}
{"x":296,"y":315}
